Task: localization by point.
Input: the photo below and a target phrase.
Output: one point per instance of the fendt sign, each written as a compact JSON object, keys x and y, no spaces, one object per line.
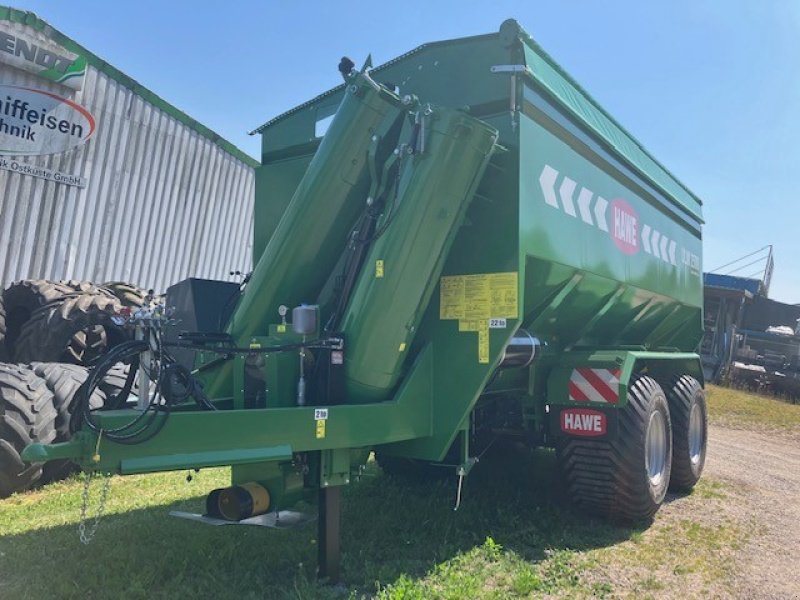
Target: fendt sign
{"x":34,"y":52}
{"x":35,"y":122}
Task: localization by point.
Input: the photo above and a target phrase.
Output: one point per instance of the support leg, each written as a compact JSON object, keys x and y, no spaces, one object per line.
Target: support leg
{"x":329,"y":538}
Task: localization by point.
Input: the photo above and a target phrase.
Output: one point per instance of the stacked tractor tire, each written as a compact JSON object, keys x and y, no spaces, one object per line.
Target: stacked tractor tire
{"x":51,"y":332}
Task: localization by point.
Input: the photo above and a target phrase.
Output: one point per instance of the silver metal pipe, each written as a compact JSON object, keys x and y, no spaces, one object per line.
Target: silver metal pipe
{"x":521,"y":351}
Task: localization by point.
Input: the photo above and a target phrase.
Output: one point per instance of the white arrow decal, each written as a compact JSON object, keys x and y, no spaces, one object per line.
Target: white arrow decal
{"x":672,"y":246}
{"x":646,"y":238}
{"x":654,"y":244}
{"x":566,"y":191}
{"x":664,"y":251}
{"x":600,"y":213}
{"x":547,"y":181}
{"x":584,"y":201}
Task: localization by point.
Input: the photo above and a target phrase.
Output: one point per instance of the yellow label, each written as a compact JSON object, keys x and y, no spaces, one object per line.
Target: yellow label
{"x":320,"y":428}
{"x":473,"y":300}
{"x":254,"y":345}
{"x":451,"y":297}
{"x":504,"y":304}
{"x":483,"y":343}
{"x":378,"y":269}
{"x":402,"y":347}
{"x":281,"y":328}
{"x":464,"y":325}
{"x":479,"y":297}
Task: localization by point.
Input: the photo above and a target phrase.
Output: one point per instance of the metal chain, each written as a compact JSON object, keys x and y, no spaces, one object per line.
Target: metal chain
{"x":85,"y":536}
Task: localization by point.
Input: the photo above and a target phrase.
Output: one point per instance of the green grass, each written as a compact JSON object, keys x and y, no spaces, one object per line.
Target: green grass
{"x":513,"y":537}
{"x":736,"y":408}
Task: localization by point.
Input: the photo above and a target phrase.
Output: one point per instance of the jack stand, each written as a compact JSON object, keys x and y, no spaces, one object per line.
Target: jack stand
{"x":329,"y":538}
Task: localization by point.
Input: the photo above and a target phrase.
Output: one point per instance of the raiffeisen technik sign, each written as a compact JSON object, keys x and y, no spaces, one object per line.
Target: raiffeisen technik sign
{"x":34,"y":122}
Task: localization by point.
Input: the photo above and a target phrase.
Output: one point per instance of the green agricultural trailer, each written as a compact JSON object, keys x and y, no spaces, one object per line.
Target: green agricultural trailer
{"x":456,"y":247}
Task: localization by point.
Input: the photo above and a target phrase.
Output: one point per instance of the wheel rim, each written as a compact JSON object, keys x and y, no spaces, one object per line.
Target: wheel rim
{"x":695,"y":434}
{"x":656,"y":448}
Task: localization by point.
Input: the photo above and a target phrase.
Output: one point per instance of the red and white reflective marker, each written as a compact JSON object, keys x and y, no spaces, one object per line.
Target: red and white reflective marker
{"x":583,"y":421}
{"x":594,"y":385}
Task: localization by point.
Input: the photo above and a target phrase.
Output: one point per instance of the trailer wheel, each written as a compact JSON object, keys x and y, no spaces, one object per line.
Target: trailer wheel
{"x":63,"y":380}
{"x":624,"y":478}
{"x":26,"y":415}
{"x":76,"y":329}
{"x":687,"y":407}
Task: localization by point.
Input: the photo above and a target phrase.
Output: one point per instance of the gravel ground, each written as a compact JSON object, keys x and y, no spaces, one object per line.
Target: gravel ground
{"x":737,"y":537}
{"x":765,"y":471}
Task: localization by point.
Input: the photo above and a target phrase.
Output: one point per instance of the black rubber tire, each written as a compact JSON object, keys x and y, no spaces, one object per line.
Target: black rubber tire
{"x":80,"y":286}
{"x":130,"y":295}
{"x":608,"y":477}
{"x":27,"y":415}
{"x":3,"y":352}
{"x":114,"y":382}
{"x":22,"y":298}
{"x":76,"y":329}
{"x":63,"y":380}
{"x":683,"y":394}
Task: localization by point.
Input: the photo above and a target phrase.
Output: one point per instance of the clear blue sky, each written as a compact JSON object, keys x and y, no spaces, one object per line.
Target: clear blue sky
{"x":712,"y":88}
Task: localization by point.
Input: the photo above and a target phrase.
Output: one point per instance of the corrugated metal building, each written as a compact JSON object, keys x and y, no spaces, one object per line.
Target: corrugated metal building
{"x":100,"y":179}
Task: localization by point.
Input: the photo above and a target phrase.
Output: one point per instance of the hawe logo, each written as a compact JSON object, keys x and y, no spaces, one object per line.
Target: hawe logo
{"x":35,"y":122}
{"x":624,"y":226}
{"x":584,"y":422}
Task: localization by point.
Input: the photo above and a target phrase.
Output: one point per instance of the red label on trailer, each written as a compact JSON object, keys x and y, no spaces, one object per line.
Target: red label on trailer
{"x":584,"y":422}
{"x":624,"y":226}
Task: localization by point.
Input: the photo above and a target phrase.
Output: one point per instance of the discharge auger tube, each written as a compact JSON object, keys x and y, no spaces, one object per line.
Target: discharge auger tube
{"x":313,"y":231}
{"x":405,"y":262}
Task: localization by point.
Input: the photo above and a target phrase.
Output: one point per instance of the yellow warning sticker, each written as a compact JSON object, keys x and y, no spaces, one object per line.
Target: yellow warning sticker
{"x":321,"y":428}
{"x":464,"y":325}
{"x":477,"y":300}
{"x":504,"y":295}
{"x":451,"y":305}
{"x":378,"y":269}
{"x":281,"y":328}
{"x":483,"y":343}
{"x":483,"y":296}
{"x":477,"y":297}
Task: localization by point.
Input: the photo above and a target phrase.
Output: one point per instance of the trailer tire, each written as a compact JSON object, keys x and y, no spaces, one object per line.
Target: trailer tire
{"x":687,"y":407}
{"x":27,"y":415}
{"x":63,"y":380}
{"x":77,"y":329}
{"x":624,"y":478}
